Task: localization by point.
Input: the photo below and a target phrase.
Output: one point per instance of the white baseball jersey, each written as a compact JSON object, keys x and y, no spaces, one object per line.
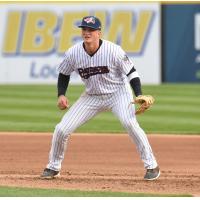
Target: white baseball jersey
{"x":104,"y":75}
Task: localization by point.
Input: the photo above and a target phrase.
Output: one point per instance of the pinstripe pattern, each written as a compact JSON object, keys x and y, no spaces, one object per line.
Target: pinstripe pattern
{"x":109,"y":54}
{"x":104,"y":91}
{"x":124,"y":111}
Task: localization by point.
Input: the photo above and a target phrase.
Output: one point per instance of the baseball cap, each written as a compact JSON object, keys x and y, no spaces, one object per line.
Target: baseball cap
{"x":90,"y":22}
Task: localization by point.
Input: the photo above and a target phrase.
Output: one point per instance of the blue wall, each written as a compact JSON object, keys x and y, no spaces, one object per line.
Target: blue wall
{"x":181,"y":61}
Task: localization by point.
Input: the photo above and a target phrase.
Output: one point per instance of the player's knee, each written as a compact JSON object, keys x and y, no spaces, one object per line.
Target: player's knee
{"x":130,"y":124}
{"x":62,"y":131}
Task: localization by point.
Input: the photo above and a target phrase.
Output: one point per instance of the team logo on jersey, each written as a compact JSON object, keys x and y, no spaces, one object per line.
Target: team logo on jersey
{"x":91,"y":71}
{"x":89,"y":20}
{"x":126,"y":59}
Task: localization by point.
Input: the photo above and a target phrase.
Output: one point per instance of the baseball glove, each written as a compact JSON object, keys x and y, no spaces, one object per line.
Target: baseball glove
{"x":144,"y":101}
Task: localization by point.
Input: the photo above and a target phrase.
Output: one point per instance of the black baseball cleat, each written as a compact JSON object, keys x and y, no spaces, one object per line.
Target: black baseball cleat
{"x":49,"y":174}
{"x":152,"y":174}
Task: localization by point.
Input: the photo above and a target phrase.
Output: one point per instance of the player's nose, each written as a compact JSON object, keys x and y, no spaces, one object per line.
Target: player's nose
{"x":86,"y":32}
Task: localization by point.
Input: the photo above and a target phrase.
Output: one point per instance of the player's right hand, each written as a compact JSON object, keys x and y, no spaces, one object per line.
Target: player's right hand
{"x":63,"y":102}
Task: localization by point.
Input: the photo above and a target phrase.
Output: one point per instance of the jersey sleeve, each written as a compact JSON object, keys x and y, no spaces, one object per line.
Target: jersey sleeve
{"x":66,"y":66}
{"x":124,"y":62}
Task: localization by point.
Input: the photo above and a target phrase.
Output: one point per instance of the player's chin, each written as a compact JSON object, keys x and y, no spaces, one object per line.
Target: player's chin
{"x":87,"y":40}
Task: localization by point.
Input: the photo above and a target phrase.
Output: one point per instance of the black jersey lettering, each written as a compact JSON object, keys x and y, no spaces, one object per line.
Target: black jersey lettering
{"x":91,"y":71}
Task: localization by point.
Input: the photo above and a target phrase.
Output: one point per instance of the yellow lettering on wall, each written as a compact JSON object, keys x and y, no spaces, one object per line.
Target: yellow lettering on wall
{"x":69,"y":29}
{"x":141,"y":30}
{"x":12,"y":32}
{"x":38,"y":32}
{"x":121,"y":28}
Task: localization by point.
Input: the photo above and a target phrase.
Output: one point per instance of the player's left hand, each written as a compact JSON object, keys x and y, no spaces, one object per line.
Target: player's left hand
{"x":144,"y":101}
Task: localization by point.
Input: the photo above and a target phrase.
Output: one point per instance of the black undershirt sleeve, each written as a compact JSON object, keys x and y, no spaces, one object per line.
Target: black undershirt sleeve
{"x":62,"y":84}
{"x":135,"y":83}
{"x":136,"y":86}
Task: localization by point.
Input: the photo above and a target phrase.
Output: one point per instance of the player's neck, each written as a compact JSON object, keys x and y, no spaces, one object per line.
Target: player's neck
{"x":91,"y":48}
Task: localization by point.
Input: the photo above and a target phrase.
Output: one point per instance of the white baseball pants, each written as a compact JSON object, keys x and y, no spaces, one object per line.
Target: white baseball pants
{"x":86,"y":107}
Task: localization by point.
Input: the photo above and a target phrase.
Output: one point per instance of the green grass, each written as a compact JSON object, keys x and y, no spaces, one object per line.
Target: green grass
{"x":35,"y":192}
{"x":33,"y":108}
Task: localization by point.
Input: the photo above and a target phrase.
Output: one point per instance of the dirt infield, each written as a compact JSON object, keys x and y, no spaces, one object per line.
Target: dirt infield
{"x":102,"y":162}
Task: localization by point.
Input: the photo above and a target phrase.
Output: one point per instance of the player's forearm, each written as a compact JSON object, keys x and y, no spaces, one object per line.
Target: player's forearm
{"x":135,"y":82}
{"x":62,"y":84}
{"x":136,"y":86}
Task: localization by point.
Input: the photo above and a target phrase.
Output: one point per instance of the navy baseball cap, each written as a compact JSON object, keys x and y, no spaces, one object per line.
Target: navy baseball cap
{"x":90,"y":22}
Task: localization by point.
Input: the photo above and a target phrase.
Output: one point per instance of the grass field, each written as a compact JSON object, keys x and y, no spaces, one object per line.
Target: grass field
{"x":36,"y":192}
{"x":33,"y":108}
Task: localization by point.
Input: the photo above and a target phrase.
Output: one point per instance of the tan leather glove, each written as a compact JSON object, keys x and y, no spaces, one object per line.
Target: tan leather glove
{"x":144,"y":101}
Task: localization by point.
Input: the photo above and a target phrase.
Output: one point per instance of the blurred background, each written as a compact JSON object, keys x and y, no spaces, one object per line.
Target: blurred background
{"x":162,"y":39}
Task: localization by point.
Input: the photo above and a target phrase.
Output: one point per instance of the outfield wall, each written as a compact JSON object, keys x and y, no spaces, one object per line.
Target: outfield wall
{"x":34,"y":37}
{"x":181,"y":43}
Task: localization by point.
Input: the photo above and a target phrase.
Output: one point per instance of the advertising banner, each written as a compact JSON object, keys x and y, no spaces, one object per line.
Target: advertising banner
{"x":34,"y":37}
{"x":181,"y":47}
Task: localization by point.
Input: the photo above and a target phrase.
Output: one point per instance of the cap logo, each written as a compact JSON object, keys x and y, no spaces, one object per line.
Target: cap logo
{"x":89,"y":20}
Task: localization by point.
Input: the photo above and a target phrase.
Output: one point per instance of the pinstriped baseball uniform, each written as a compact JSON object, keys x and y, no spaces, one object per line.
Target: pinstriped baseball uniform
{"x":107,"y":88}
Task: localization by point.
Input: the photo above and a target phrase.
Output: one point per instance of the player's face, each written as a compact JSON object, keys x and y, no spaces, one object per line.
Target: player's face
{"x":90,"y":35}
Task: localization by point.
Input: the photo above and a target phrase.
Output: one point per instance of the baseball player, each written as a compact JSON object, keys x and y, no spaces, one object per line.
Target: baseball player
{"x":107,"y":73}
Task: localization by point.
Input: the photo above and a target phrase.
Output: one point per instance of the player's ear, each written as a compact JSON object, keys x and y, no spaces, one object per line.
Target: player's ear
{"x":99,"y":33}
